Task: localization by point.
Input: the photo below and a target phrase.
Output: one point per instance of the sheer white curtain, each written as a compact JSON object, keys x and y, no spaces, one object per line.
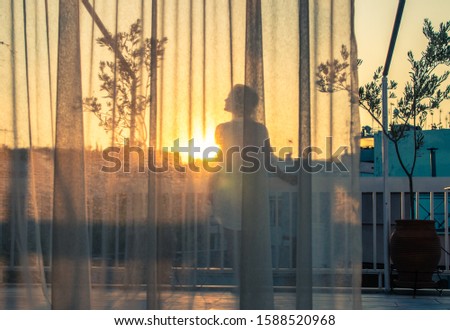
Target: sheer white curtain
{"x":136,"y":155}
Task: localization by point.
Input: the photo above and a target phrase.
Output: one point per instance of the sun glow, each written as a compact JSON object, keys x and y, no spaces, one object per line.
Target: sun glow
{"x":198,"y":148}
{"x":208,"y":148}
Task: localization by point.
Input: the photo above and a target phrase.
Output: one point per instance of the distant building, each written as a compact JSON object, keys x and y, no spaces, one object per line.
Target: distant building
{"x":435,"y":141}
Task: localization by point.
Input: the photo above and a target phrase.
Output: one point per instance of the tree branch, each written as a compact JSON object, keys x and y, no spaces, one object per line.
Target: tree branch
{"x":108,"y":38}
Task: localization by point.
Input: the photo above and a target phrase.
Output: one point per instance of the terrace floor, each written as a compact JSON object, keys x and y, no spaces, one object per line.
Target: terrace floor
{"x":114,"y":298}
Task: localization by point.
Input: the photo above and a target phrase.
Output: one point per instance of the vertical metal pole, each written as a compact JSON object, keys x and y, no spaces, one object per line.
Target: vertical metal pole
{"x":417,"y":204}
{"x":446,"y":243}
{"x":402,"y":205}
{"x":386,"y":211}
{"x":374,"y":230}
{"x":431,"y":205}
{"x":386,"y":214}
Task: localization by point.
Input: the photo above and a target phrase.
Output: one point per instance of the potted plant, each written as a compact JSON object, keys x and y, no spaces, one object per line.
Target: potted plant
{"x":415,"y":246}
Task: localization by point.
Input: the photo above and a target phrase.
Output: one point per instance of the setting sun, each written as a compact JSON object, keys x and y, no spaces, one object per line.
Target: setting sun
{"x":197,"y":148}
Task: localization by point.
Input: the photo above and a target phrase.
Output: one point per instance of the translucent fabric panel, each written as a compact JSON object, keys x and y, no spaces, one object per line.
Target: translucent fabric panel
{"x":178,"y":155}
{"x":334,"y":121}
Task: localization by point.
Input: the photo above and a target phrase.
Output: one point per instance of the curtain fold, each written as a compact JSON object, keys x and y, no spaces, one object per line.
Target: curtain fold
{"x":70,"y":272}
{"x":304,"y":271}
{"x":191,"y":162}
{"x":335,"y":188}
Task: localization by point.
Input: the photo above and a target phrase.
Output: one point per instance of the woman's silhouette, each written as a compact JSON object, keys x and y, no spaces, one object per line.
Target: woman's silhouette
{"x":242,"y":133}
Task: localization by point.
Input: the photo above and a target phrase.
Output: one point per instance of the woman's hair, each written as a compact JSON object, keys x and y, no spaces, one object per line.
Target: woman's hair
{"x":244,"y":99}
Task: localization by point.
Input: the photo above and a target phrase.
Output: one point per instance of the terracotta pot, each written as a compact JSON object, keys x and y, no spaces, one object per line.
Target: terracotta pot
{"x":415,"y":251}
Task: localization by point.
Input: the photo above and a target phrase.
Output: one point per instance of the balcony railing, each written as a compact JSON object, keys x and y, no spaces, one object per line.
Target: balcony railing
{"x":194,"y":241}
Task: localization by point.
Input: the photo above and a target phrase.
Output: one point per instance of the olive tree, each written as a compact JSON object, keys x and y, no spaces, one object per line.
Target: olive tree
{"x":422,"y":94}
{"x":125,"y":84}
